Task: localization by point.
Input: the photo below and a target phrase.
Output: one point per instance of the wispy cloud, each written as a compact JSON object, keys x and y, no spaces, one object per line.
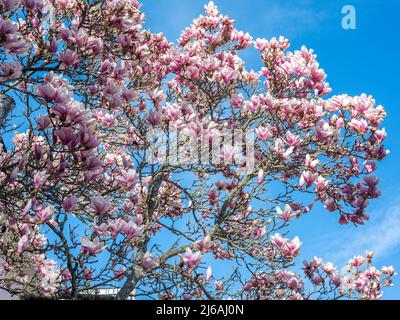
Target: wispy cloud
{"x":381,"y":235}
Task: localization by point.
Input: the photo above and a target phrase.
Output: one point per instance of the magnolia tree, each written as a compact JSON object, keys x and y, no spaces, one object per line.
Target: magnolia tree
{"x":138,"y":163}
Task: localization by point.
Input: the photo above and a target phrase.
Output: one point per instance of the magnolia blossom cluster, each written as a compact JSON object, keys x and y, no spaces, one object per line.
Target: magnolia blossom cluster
{"x":81,"y":204}
{"x":359,"y":280}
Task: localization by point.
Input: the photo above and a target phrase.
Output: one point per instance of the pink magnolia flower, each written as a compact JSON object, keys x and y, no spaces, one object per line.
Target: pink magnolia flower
{"x":194,"y":130}
{"x":101,"y":230}
{"x":10,"y":4}
{"x":237,"y":100}
{"x":100,"y":205}
{"x":279,"y":149}
{"x":205,"y":244}
{"x":10,"y":39}
{"x":132,"y":230}
{"x":67,"y":136}
{"x":154,"y":118}
{"x":50,"y":281}
{"x":69,"y":58}
{"x":307,"y":178}
{"x":191,"y":259}
{"x":10,"y":71}
{"x":228,"y":154}
{"x":87,"y":274}
{"x":106,"y":67}
{"x":14,"y":175}
{"x":360,"y":126}
{"x":95,"y":45}
{"x":128,"y":94}
{"x":39,"y":179}
{"x":43,"y":122}
{"x":321,"y":184}
{"x":371,"y":182}
{"x":277,"y":240}
{"x":263,"y":133}
{"x":39,"y":241}
{"x":370,"y":166}
{"x":66,"y":274}
{"x":157,"y":96}
{"x":260,"y":232}
{"x":292,"y":247}
{"x":227,"y":75}
{"x":116,"y":226}
{"x":37,"y":150}
{"x":52,"y":45}
{"x":128,"y":177}
{"x":318,"y":75}
{"x":45,"y":214}
{"x":149,"y":262}
{"x":357,"y":261}
{"x":293,"y":283}
{"x":312,"y":164}
{"x":339,"y":123}
{"x":211,"y":9}
{"x":380,"y":135}
{"x":261,"y":44}
{"x":23,"y":243}
{"x":47,"y":91}
{"x":260,"y":177}
{"x":292,"y":140}
{"x":213,"y":197}
{"x":119,"y":273}
{"x":389,"y":270}
{"x":329,"y":267}
{"x":219,"y":286}
{"x":287,"y":214}
{"x":208,"y":274}
{"x":192,"y":72}
{"x":335,"y":278}
{"x":70,"y":204}
{"x":251,"y":106}
{"x":323,"y":131}
{"x":27,"y":208}
{"x":288,"y":248}
{"x":316,"y":280}
{"x":244,"y":39}
{"x":265,"y":72}
{"x":115,"y":101}
{"x":91,"y":247}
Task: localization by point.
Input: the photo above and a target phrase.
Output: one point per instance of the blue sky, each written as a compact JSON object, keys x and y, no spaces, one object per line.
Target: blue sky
{"x":358,"y":61}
